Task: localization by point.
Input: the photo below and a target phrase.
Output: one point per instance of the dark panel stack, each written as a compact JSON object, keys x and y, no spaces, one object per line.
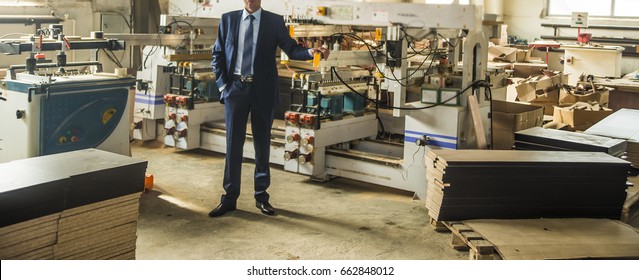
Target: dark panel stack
{"x":490,"y":184}
{"x":76,"y":205}
{"x":542,"y":139}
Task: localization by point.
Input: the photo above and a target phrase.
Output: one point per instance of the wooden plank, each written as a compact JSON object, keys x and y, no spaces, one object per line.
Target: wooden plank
{"x":102,"y":223}
{"x":481,"y":250}
{"x":45,"y":253}
{"x":29,"y":233}
{"x":28,"y":224}
{"x":107,"y":204}
{"x":94,"y":248}
{"x":437,"y":225}
{"x":12,"y":251}
{"x":126,"y":256}
{"x":88,"y":241}
{"x":478,"y":124}
{"x":95,"y":217}
{"x":103,"y":252}
{"x":96,"y":229}
{"x":559,"y":238}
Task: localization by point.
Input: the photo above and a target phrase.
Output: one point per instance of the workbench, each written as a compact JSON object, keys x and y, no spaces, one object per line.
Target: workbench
{"x":624,"y":95}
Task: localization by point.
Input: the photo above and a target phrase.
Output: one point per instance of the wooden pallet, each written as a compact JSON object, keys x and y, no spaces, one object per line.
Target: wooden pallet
{"x":632,"y":200}
{"x":466,"y":239}
{"x":437,"y":226}
{"x":630,"y":203}
{"x":537,"y":239}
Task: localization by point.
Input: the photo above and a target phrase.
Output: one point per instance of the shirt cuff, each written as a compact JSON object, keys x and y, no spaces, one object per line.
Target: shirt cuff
{"x":310,"y":52}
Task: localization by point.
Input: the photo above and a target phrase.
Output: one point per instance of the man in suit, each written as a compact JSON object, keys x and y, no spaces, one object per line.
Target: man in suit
{"x":245,"y":68}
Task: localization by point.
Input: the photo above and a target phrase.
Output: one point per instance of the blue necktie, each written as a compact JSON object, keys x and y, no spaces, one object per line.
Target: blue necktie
{"x":247,"y":54}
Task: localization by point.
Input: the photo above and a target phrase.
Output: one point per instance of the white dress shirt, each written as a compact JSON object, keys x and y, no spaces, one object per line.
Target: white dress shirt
{"x":244,"y":23}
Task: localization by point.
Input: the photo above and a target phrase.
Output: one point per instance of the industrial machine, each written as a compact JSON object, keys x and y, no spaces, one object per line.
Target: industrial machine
{"x":439,"y":118}
{"x":389,"y":91}
{"x":182,"y":93}
{"x":52,"y":107}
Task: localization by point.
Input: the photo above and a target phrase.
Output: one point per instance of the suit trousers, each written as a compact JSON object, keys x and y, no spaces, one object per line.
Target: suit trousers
{"x":243,"y":99}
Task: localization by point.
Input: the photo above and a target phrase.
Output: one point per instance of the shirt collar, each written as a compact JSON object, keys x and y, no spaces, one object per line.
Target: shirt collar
{"x":257,"y":14}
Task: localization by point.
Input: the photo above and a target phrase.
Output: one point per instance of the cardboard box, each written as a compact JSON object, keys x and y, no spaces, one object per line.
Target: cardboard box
{"x":599,"y":96}
{"x":522,"y":55}
{"x":540,"y":88}
{"x":549,"y":106}
{"x":580,"y":116}
{"x":500,"y":53}
{"x":525,"y":70}
{"x":510,"y":117}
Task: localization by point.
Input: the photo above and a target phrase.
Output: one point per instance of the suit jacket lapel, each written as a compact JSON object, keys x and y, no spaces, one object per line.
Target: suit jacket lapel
{"x":260,"y":33}
{"x":235,"y":31}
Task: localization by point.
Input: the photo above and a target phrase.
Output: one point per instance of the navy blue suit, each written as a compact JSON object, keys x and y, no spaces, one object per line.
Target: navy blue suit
{"x":259,"y":97}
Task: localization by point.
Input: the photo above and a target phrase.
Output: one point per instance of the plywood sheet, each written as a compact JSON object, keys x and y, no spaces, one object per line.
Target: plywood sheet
{"x":122,"y":200}
{"x":559,"y":238}
{"x":12,"y":251}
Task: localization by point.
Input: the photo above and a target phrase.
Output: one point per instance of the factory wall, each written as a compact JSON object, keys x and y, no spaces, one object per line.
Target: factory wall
{"x":79,"y":20}
{"x":524,"y":19}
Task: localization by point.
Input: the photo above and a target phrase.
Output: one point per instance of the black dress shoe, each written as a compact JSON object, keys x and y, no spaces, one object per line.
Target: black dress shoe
{"x":265,"y":207}
{"x":221,"y":209}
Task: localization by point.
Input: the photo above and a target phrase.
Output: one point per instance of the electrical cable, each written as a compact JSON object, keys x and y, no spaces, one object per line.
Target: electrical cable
{"x":477,"y":83}
{"x":176,"y":22}
{"x":116,"y":58}
{"x":372,"y":55}
{"x":152,"y":51}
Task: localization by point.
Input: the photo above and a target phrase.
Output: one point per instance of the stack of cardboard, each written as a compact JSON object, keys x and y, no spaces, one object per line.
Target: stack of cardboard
{"x":489,"y":184}
{"x":581,"y":115}
{"x":509,"y":117}
{"x":542,"y":90}
{"x":542,"y":139}
{"x":520,"y":61}
{"x":570,"y":95}
{"x":76,"y":205}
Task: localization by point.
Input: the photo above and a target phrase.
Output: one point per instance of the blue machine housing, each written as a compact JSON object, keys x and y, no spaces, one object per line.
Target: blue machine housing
{"x":76,"y":115}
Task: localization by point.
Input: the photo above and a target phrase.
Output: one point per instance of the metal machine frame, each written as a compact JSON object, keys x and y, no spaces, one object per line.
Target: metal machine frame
{"x":50,"y":107}
{"x":344,"y":147}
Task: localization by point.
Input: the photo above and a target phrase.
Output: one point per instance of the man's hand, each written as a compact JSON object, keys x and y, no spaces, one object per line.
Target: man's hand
{"x":324,"y":51}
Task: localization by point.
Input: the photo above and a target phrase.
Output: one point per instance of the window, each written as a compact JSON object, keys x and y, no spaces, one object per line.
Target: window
{"x":461,"y":2}
{"x":20,"y":3}
{"x":597,"y":8}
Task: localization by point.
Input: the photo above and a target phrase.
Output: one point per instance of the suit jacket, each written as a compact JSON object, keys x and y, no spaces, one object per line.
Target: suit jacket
{"x":272,"y":33}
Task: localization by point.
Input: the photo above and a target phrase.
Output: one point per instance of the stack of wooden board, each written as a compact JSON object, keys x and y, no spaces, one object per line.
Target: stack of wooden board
{"x":76,"y":205}
{"x":632,"y":151}
{"x":623,"y":124}
{"x":542,"y":139}
{"x":102,"y":230}
{"x":486,"y":184}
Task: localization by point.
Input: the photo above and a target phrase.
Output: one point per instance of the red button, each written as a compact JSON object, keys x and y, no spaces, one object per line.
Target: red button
{"x":75,"y":139}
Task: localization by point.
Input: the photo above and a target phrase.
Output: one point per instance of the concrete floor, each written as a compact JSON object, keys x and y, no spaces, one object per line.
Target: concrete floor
{"x":339,"y":219}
